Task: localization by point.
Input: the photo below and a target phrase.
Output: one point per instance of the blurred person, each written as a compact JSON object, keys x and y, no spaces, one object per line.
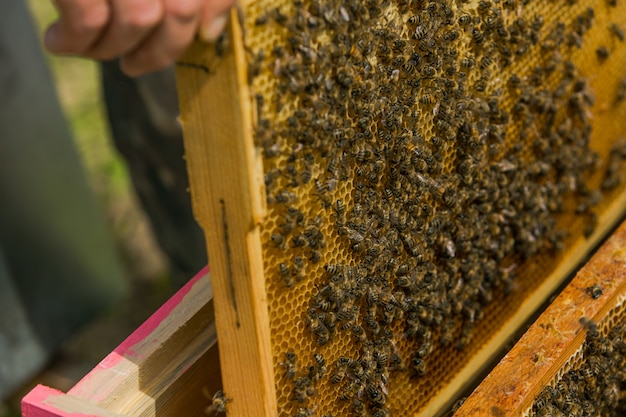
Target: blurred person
{"x":57,"y":264}
{"x":142,"y":115}
{"x":58,"y":267}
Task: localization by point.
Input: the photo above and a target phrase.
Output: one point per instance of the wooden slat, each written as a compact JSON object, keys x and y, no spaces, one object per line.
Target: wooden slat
{"x":43,"y":401}
{"x":159,"y":370}
{"x":510,"y":389}
{"x":227,"y":194}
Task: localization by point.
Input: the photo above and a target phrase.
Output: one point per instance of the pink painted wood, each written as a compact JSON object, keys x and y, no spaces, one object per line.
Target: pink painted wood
{"x":43,"y":401}
{"x":165,"y":350}
{"x":36,"y":403}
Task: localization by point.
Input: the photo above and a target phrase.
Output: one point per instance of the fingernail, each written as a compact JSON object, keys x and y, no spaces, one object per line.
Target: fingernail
{"x":212,"y":31}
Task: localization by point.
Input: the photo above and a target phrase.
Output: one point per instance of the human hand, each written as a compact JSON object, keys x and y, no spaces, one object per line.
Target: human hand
{"x":146,"y":34}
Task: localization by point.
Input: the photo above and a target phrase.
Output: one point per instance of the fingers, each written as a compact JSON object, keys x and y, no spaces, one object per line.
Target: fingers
{"x":131,"y":22}
{"x":168,"y":41}
{"x":214,"y":18}
{"x":146,"y":34}
{"x":80,"y":25}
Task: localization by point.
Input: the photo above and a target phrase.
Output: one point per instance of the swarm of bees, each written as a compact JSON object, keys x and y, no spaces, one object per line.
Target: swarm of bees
{"x":388,"y":136}
{"x":596,"y":386}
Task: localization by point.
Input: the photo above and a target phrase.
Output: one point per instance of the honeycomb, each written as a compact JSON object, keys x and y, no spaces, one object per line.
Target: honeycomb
{"x":592,"y":381}
{"x":427,"y":164}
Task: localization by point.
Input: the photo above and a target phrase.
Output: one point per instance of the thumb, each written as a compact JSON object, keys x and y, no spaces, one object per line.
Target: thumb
{"x":214,"y":19}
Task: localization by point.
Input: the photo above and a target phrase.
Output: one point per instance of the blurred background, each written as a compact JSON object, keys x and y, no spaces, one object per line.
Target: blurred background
{"x":78,"y":86}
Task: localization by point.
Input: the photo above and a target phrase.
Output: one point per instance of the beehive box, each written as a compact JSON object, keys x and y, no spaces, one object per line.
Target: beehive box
{"x":555,"y":352}
{"x":163,"y":369}
{"x":389,"y":189}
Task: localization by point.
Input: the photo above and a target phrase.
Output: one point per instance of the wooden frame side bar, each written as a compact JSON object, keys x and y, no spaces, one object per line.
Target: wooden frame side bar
{"x":227,"y":194}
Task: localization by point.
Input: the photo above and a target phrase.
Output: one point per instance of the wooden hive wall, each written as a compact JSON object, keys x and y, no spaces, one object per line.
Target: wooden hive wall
{"x":324,"y":155}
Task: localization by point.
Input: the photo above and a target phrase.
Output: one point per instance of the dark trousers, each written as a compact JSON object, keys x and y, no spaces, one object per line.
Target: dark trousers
{"x":142,"y":115}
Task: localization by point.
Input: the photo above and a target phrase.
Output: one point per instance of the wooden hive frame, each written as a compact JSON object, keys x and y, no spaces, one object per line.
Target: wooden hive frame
{"x":555,"y":337}
{"x":229,"y":202}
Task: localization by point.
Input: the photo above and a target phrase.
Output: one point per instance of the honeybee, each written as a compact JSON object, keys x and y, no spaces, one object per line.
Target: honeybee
{"x":542,"y":401}
{"x":285,"y":274}
{"x":320,"y":331}
{"x":315,"y":256}
{"x":219,"y":403}
{"x":418,"y":366}
{"x":340,"y":370}
{"x":321,"y":363}
{"x":359,"y":333}
{"x":420,"y":32}
{"x":484,"y":6}
{"x":298,"y":268}
{"x":340,"y":209}
{"x":382,"y":412}
{"x":285,"y":197}
{"x":290,"y":365}
{"x":358,"y":407}
{"x":590,"y":326}
{"x":465,"y":336}
{"x":254,"y":68}
{"x":375,"y":395}
{"x":477,"y":36}
{"x":468,"y":63}
{"x":602,"y":53}
{"x":302,"y":389}
{"x":465,"y":20}
{"x":305,"y":412}
{"x":347,"y":315}
{"x":414,"y":20}
{"x":279,"y":240}
{"x":617,"y":31}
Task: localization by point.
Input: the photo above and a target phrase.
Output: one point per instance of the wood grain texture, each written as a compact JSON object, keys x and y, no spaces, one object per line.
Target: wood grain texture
{"x":159,"y":370}
{"x":510,"y":389}
{"x":43,"y":401}
{"x":227,"y":193}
